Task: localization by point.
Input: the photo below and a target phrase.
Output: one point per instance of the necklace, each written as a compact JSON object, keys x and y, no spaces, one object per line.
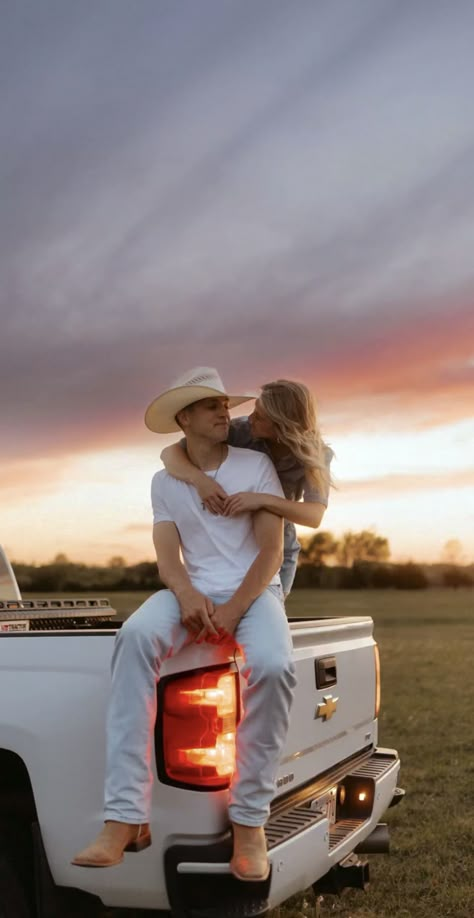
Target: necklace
{"x":214,"y":474}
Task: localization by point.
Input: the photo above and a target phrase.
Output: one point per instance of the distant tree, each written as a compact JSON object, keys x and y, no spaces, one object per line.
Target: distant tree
{"x":116,"y":561}
{"x":347,"y":548}
{"x":452,"y":552}
{"x":383,"y":576}
{"x":61,"y":559}
{"x":319,"y":547}
{"x":362,"y":546}
{"x":307,"y":576}
{"x":409,"y":576}
{"x":456,"y":577}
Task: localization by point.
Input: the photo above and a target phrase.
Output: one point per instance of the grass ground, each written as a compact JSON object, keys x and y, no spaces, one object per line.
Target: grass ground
{"x":426,"y":641}
{"x":426,"y":644}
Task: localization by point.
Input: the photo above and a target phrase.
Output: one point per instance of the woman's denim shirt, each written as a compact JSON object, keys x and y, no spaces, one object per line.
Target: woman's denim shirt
{"x":295,"y":485}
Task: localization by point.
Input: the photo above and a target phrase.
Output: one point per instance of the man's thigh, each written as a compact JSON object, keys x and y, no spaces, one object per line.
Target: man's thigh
{"x":159,"y":618}
{"x":264,"y":633}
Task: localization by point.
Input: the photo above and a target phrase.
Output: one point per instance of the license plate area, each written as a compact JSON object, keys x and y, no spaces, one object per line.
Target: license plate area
{"x":326,"y":805}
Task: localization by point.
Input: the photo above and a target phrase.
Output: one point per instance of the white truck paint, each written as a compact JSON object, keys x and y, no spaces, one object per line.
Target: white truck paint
{"x":54,"y":689}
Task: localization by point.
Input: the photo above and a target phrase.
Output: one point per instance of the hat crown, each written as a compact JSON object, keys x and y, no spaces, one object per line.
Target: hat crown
{"x":200,"y":376}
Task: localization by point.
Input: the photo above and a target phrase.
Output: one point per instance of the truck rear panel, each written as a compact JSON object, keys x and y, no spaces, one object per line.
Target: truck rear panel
{"x":333,"y":733}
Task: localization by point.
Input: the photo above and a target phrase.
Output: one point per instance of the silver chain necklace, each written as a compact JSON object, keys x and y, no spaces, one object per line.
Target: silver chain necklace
{"x":214,"y":475}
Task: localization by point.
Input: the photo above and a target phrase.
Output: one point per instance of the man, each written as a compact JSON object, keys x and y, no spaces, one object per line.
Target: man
{"x":226,"y":588}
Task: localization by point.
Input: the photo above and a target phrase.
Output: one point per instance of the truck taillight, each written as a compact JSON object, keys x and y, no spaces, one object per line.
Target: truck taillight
{"x":198,"y":715}
{"x":377,"y":680}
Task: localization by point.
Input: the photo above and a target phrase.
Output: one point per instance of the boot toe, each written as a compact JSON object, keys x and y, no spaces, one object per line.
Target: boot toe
{"x":249,"y":860}
{"x":96,"y":856}
{"x":108,"y":848}
{"x":252,"y":870}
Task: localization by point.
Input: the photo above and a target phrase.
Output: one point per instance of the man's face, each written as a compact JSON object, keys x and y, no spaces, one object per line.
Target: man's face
{"x":207,"y":418}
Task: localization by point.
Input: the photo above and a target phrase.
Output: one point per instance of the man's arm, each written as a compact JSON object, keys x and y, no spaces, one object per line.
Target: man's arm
{"x":268,"y":530}
{"x":196,"y":609}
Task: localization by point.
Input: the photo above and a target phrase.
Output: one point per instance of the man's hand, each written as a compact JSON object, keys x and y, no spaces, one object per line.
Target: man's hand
{"x":196,"y":612}
{"x":243,"y":502}
{"x":225,"y":619}
{"x":212,"y":495}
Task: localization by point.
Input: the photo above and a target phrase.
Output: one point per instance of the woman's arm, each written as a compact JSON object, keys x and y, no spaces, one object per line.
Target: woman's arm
{"x":177,"y":463}
{"x":306,"y":513}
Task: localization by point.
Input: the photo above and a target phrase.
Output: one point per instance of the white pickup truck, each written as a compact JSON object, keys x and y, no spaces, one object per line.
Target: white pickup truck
{"x":334,"y":782}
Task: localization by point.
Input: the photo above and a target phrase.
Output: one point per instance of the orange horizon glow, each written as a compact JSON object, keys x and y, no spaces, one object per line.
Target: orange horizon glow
{"x":411,"y":489}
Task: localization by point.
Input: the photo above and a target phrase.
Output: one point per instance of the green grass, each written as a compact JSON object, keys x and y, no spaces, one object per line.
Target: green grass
{"x":426,"y":641}
{"x":426,"y":644}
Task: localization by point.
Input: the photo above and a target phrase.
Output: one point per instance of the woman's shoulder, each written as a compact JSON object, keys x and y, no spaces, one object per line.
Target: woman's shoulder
{"x":328,"y":454}
{"x":240,"y":434}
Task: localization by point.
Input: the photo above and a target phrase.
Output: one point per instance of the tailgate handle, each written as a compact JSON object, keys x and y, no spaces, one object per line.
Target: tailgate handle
{"x":325,"y":670}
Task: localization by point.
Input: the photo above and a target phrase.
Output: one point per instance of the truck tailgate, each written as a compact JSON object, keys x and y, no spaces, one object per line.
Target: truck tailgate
{"x":330,"y":723}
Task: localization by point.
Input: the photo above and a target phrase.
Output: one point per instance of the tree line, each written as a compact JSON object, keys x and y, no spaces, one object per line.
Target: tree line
{"x":356,"y":560}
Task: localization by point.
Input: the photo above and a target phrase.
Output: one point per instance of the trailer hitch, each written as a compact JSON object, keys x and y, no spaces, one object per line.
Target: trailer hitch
{"x":351,"y":873}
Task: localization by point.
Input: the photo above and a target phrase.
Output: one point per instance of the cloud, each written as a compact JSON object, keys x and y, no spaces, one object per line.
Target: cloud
{"x":274,"y":193}
{"x":405,"y":368}
{"x":31,"y":478}
{"x":137,"y":527}
{"x":390,"y":485}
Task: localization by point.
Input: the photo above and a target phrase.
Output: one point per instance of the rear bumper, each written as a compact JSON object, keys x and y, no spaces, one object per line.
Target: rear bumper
{"x":302,"y":845}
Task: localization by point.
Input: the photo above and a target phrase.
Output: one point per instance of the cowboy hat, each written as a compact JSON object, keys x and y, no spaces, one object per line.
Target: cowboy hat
{"x":202,"y":382}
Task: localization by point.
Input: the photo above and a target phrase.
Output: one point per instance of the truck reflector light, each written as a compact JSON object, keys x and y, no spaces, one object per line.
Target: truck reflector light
{"x":199,"y":713}
{"x":355,"y":798}
{"x":377,"y":680}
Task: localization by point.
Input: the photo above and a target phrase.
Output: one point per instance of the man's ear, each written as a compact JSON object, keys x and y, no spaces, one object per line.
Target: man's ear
{"x":182,"y":418}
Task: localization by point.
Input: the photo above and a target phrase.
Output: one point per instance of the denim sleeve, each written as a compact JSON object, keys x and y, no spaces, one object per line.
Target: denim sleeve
{"x":313,"y":495}
{"x":239,"y":433}
{"x":316,"y":495}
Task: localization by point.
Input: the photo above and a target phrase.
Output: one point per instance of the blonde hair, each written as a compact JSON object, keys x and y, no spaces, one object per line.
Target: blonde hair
{"x":292,"y":409}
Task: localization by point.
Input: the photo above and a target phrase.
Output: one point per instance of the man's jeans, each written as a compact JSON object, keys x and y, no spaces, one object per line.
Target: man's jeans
{"x":155,"y":632}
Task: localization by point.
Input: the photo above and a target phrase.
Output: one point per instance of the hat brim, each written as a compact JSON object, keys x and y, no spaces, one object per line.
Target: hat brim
{"x":160,"y":416}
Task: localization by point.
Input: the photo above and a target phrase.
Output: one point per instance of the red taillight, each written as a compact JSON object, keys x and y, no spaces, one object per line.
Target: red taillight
{"x":199,"y":715}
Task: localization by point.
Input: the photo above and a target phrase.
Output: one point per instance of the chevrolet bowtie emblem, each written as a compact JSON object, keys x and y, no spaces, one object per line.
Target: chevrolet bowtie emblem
{"x":327,"y":708}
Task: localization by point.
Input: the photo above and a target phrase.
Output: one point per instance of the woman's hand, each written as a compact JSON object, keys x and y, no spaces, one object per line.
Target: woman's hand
{"x":243,"y":502}
{"x":213,"y":497}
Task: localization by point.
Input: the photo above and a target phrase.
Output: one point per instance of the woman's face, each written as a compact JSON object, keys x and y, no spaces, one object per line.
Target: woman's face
{"x":260,"y":424}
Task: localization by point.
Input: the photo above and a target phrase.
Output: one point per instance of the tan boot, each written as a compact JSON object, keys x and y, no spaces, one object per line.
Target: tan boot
{"x":249,"y":860}
{"x":110,"y":844}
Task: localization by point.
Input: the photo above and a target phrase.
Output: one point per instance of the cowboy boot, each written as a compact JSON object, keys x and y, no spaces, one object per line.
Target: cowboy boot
{"x":249,"y":860}
{"x":110,"y":844}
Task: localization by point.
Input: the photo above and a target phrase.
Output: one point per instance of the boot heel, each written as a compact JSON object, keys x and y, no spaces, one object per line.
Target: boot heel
{"x":139,"y":844}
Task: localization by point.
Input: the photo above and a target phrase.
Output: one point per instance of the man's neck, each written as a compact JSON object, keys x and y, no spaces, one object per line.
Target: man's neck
{"x":205,"y":454}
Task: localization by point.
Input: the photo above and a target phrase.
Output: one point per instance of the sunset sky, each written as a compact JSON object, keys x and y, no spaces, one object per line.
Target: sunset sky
{"x":278,"y":189}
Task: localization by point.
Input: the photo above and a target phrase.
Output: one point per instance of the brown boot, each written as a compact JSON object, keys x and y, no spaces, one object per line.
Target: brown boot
{"x":110,"y":844}
{"x":249,"y":860}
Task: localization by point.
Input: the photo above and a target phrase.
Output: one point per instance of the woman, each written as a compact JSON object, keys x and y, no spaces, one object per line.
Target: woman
{"x":284,"y":426}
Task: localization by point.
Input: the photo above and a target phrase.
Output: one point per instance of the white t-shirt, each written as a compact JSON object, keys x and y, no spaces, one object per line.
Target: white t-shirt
{"x":217,"y":550}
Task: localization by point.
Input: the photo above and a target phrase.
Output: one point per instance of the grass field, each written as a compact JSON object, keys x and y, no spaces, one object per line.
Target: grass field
{"x":426,"y":642}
